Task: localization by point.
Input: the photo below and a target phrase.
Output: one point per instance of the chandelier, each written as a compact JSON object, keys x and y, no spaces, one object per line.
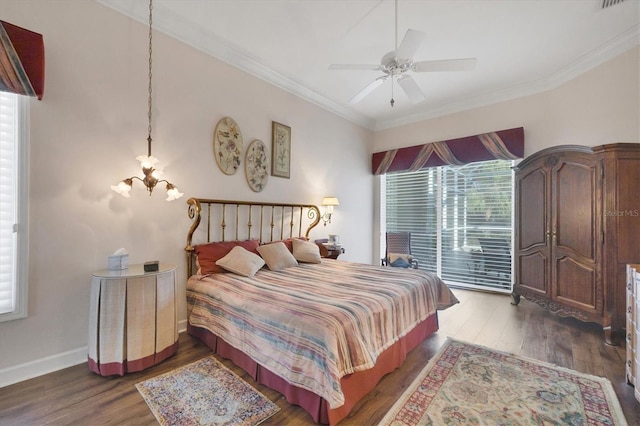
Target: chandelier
{"x":148,"y":162}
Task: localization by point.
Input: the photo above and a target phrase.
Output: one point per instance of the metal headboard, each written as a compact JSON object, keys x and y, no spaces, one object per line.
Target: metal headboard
{"x":274,"y":221}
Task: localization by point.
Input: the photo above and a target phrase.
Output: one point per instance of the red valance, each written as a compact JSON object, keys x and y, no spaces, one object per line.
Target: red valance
{"x":21,"y":61}
{"x":503,"y":144}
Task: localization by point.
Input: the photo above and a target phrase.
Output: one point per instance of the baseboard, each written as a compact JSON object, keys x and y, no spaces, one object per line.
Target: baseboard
{"x":39,"y":367}
{"x":182,"y":326}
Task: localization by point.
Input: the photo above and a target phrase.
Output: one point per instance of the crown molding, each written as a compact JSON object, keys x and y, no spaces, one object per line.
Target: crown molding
{"x":590,"y":60}
{"x":227,"y":52}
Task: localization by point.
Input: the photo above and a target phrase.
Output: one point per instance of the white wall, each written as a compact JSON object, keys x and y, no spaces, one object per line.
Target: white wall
{"x":599,"y":107}
{"x":90,"y":126}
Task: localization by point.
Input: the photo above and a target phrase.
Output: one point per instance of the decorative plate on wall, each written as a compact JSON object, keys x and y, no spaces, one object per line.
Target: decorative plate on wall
{"x":256,"y":165}
{"x":227,"y":145}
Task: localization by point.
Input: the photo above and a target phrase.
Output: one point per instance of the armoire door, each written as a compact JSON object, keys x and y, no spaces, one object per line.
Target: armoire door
{"x":576,"y":226}
{"x":533,"y":203}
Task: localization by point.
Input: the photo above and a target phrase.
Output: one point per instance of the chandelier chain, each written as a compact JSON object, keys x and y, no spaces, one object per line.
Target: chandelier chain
{"x":151,"y":175}
{"x":150,"y":63}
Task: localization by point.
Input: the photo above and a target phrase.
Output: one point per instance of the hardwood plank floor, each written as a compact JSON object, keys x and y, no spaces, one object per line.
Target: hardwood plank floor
{"x":75,"y":396}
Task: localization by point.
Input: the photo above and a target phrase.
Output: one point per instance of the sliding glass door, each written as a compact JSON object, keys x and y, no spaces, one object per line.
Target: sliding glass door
{"x":460,"y":219}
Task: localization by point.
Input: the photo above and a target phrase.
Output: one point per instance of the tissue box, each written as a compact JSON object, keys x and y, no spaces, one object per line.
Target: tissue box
{"x":118,"y":262}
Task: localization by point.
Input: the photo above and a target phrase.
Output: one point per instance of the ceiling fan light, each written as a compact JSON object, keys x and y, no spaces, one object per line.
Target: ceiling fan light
{"x":399,"y":62}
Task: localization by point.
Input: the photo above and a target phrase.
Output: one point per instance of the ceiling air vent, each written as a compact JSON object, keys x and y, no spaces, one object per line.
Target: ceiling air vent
{"x":603,"y":4}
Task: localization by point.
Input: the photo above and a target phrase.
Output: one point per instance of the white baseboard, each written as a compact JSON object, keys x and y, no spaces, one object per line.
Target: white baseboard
{"x":182,"y":326}
{"x":39,"y":367}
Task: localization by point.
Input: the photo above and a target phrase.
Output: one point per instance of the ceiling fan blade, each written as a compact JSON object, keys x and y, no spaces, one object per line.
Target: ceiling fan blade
{"x":356,"y":67}
{"x":466,"y":64}
{"x":368,"y":89}
{"x":411,"y":88}
{"x":410,"y":44}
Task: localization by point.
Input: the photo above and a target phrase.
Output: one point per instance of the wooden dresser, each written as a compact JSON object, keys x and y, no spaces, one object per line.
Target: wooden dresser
{"x":633,"y":327}
{"x":577,"y":225}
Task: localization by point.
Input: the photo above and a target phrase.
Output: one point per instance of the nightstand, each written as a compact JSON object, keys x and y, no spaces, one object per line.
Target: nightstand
{"x":327,"y":250}
{"x":133,"y":319}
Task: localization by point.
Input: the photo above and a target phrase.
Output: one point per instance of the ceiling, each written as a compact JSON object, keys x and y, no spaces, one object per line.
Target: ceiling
{"x":522,"y":47}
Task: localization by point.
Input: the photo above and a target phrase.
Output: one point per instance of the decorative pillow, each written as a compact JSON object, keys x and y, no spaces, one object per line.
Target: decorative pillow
{"x":241,"y":262}
{"x":288,"y":242}
{"x":208,"y":254}
{"x":277,"y":256}
{"x":401,"y":260}
{"x":306,"y":251}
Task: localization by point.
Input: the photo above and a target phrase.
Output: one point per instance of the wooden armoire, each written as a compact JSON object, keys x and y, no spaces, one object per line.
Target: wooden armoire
{"x":577,"y":220}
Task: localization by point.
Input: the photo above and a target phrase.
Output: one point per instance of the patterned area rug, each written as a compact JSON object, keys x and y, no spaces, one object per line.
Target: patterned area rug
{"x":205,"y":393}
{"x":472,"y":385}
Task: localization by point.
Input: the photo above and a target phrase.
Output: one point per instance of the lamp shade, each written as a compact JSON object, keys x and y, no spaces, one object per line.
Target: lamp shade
{"x":330,"y":201}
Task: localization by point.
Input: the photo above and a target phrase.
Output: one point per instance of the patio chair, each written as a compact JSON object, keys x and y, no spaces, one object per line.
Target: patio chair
{"x":496,"y":255}
{"x":398,"y":251}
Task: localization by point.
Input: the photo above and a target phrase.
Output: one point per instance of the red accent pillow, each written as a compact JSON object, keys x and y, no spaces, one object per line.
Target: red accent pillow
{"x":208,"y":254}
{"x":288,"y":242}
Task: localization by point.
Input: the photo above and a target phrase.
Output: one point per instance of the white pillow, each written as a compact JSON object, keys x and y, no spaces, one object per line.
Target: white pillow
{"x":241,"y":261}
{"x":277,"y":256}
{"x":306,"y":251}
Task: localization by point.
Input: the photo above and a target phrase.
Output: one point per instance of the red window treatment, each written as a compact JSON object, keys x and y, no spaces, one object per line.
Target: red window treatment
{"x":504,"y":145}
{"x":21,"y":61}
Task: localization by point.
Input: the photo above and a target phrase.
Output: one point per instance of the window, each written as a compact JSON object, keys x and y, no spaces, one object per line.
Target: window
{"x":460,"y":219}
{"x":13,"y":205}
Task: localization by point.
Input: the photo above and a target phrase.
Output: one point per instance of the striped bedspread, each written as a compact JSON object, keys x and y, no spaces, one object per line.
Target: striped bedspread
{"x":315,"y":323}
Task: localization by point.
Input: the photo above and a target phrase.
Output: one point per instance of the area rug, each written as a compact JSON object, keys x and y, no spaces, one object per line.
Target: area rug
{"x":205,"y":393}
{"x":465,"y":384}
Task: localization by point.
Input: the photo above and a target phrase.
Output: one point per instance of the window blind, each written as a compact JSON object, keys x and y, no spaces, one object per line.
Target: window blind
{"x":8,"y":194}
{"x":460,"y":219}
{"x":14,"y":195}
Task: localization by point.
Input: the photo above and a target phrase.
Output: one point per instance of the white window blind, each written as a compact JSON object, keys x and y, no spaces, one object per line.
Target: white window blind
{"x":13,"y":226}
{"x":460,"y":220}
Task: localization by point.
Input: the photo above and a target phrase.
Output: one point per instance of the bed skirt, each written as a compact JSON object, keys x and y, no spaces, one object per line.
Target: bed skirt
{"x":354,"y":386}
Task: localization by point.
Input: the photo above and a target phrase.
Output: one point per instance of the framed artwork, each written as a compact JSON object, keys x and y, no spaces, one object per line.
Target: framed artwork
{"x":227,"y":145}
{"x":256,"y":165}
{"x":280,"y":150}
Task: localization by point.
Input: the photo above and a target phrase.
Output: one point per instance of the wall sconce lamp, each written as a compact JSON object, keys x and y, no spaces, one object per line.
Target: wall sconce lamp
{"x":328,"y":202}
{"x":148,"y":162}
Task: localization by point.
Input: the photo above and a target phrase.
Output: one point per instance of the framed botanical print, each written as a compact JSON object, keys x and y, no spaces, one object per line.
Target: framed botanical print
{"x":280,"y":150}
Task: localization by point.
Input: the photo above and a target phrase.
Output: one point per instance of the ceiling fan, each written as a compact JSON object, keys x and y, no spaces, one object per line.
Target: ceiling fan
{"x":399,"y":63}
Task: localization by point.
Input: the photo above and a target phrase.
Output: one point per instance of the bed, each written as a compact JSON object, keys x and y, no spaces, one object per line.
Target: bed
{"x":322,"y":332}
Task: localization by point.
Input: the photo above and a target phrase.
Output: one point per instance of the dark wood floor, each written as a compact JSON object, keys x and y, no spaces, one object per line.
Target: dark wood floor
{"x":75,"y":396}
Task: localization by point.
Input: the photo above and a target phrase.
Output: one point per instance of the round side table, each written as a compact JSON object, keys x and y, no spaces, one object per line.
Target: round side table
{"x":133,"y":319}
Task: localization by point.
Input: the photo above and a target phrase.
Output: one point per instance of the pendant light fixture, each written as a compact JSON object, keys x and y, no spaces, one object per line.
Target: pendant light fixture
{"x":148,"y":162}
